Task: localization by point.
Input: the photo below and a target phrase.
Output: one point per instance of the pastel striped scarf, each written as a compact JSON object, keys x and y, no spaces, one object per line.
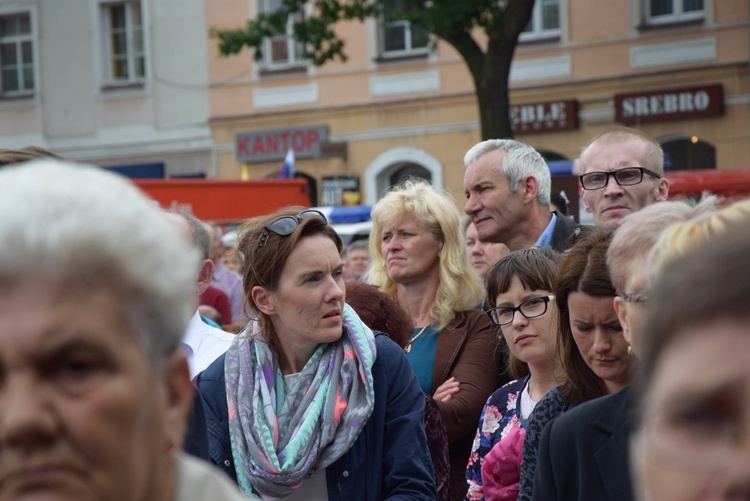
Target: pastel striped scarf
{"x":281,"y":436}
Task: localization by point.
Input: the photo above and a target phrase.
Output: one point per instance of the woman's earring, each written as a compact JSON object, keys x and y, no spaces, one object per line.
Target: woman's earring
{"x":630,"y":350}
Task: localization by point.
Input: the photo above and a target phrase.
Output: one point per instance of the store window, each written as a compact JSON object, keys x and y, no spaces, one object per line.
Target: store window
{"x":544,"y":22}
{"x":123,"y":42}
{"x":688,"y":153}
{"x":16,"y":55}
{"x":282,"y":50}
{"x":673,"y":11}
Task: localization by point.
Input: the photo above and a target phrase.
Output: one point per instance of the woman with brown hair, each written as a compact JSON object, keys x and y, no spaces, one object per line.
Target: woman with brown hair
{"x":309,"y":403}
{"x":522,"y":306}
{"x":594,"y":354}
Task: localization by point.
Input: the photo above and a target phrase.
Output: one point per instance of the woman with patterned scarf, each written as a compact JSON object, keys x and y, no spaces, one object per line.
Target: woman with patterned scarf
{"x":309,"y":403}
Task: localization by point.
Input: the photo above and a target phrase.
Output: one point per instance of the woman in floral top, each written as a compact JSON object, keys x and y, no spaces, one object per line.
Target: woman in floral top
{"x":518,"y":293}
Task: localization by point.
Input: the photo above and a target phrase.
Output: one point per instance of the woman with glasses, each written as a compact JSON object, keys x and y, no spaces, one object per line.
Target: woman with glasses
{"x":309,"y":403}
{"x":522,"y":305}
{"x":419,"y":257}
{"x":594,"y":353}
{"x":692,"y":394}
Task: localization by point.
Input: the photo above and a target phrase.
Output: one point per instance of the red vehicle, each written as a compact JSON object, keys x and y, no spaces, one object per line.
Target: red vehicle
{"x":729,"y":184}
{"x":226,"y":201}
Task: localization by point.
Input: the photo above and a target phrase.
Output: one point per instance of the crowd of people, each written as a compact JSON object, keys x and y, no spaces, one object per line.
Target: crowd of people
{"x":507,"y":354}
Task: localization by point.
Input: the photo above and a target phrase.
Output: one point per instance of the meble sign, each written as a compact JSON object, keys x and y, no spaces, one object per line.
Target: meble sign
{"x":670,"y":104}
{"x":544,"y":117}
{"x":265,"y":145}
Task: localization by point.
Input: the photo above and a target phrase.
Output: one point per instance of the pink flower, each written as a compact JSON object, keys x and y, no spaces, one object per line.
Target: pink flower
{"x":491,"y":420}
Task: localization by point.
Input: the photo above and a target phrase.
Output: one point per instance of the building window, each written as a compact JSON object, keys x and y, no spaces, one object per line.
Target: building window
{"x":16,"y":55}
{"x":126,"y":59}
{"x":282,"y":50}
{"x":400,"y":37}
{"x":544,"y":22}
{"x":673,"y":11}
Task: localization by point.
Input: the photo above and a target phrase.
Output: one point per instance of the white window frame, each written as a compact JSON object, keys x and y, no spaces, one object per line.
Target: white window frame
{"x":130,"y":35}
{"x":19,"y":40}
{"x":293,"y":48}
{"x":677,"y":15}
{"x":537,"y":31}
{"x":409,"y":50}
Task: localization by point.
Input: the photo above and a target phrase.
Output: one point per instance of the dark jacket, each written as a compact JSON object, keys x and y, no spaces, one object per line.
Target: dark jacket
{"x":389,"y":459}
{"x":467,"y":349}
{"x":583,"y":454}
{"x":565,"y":234}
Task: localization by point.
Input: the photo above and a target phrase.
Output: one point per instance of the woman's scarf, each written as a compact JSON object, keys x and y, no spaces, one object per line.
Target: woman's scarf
{"x":281,"y":436}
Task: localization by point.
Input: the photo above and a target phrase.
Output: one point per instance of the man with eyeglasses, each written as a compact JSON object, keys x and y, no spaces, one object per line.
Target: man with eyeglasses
{"x":622,"y":171}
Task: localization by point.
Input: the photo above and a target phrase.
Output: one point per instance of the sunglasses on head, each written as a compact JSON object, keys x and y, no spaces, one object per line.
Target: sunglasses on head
{"x":285,"y":225}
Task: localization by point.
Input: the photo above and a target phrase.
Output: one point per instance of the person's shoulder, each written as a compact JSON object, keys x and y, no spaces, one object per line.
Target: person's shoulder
{"x":513,"y":387}
{"x":227,"y":274}
{"x":473,"y":317}
{"x":589,"y":411}
{"x":552,"y":402}
{"x":213,"y":373}
{"x":218,"y":334}
{"x":387,"y":349}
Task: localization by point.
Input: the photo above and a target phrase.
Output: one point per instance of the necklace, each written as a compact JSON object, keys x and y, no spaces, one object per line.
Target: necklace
{"x":414,"y":338}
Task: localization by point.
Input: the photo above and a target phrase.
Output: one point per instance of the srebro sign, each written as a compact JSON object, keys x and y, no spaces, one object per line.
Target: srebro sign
{"x":266,"y":145}
{"x":670,"y":104}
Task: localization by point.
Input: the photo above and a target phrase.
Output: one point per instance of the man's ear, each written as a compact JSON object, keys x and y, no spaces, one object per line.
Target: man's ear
{"x":529,"y":189}
{"x":204,"y":275}
{"x":622,"y":316}
{"x":663,"y":189}
{"x":586,"y":205}
{"x":179,"y":394}
{"x":263,"y":300}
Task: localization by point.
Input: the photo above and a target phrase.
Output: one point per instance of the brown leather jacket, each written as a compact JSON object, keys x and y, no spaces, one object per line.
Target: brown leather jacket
{"x":468,"y":350}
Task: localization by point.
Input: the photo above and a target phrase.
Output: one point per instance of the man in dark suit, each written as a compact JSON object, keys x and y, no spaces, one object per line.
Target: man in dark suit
{"x":507,"y":186}
{"x":583,"y":453}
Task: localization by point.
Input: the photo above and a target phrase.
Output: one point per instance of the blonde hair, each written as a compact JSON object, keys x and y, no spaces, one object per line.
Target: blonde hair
{"x":640,"y":231}
{"x":459,"y":288}
{"x":681,"y":237}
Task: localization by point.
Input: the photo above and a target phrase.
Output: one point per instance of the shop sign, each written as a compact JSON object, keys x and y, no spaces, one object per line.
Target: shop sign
{"x":671,"y":104}
{"x":339,"y":190}
{"x":267,"y":145}
{"x":329,"y":150}
{"x":544,"y":117}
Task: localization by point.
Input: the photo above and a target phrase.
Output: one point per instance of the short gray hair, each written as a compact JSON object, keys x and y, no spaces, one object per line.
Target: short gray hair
{"x":67,"y":224}
{"x":198,"y":232}
{"x":520,"y":160}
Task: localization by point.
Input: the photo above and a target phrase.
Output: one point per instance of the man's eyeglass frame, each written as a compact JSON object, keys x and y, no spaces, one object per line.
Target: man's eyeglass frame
{"x":615,"y":174}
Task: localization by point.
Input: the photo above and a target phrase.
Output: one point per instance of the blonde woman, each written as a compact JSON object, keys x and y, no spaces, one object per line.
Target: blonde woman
{"x":419,"y":257}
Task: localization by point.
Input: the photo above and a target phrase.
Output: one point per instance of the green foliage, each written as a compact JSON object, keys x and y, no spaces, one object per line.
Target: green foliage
{"x":453,"y":21}
{"x":444,"y":18}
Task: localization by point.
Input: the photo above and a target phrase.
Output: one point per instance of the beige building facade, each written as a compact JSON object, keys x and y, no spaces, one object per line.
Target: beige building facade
{"x":676,"y":69}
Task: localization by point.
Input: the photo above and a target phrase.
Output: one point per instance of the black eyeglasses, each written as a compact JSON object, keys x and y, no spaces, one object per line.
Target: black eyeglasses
{"x":285,"y":225}
{"x":640,"y":297}
{"x":624,"y":177}
{"x":531,"y":308}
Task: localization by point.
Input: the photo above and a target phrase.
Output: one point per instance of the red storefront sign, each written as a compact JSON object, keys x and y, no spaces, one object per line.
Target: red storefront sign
{"x":262,"y":146}
{"x":670,"y":104}
{"x":544,"y":117}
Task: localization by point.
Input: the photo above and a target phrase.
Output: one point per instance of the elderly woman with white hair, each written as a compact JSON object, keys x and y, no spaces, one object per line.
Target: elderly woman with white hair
{"x":96,"y":288}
